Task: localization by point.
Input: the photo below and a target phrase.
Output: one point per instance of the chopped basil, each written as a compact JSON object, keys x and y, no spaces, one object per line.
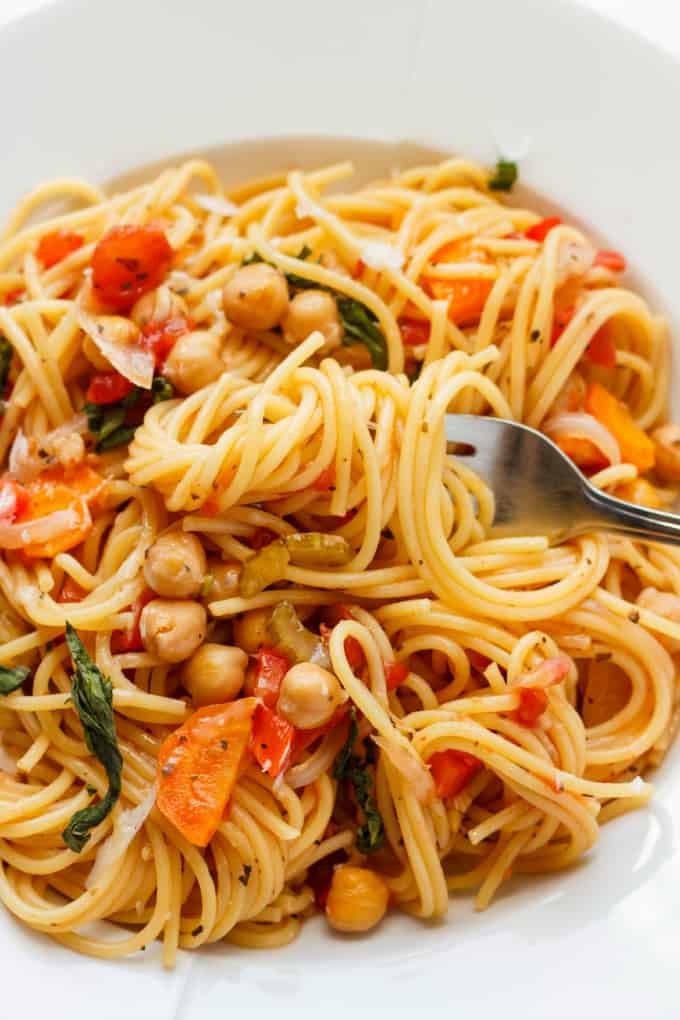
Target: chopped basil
{"x":12,"y":679}
{"x":505,"y":176}
{"x":347,"y":766}
{"x":92,"y":695}
{"x":161,"y":389}
{"x":360,"y":325}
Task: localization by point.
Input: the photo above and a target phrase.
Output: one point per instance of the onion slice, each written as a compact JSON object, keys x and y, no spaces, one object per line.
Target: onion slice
{"x":216,"y":204}
{"x":42,"y":529}
{"x":580,"y":425}
{"x":410,"y":766}
{"x":131,"y":360}
{"x":125,"y":828}
{"x":25,"y":464}
{"x":573,"y":260}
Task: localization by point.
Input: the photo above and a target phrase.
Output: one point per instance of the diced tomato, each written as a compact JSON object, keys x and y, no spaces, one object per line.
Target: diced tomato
{"x":71,"y":591}
{"x":13,"y":296}
{"x":395,"y":674}
{"x":161,"y":337}
{"x":414,"y":331}
{"x":353,"y":650}
{"x":561,"y":320}
{"x":305,"y":738}
{"x":533,"y":702}
{"x":198,"y":766}
{"x":127,"y":262}
{"x":54,"y":247}
{"x":601,"y":349}
{"x":262,"y":537}
{"x":540,"y":230}
{"x":107,"y":388}
{"x":452,"y":770}
{"x":477,"y":660}
{"x":612,"y":260}
{"x":466,"y":297}
{"x":131,"y":640}
{"x":324,"y":481}
{"x":13,"y":500}
{"x":270,"y":668}
{"x":271,"y":741}
{"x":358,"y":269}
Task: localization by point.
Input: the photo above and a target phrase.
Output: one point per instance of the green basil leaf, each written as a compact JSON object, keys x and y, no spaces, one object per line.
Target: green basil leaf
{"x":161,"y":389}
{"x":12,"y":679}
{"x":505,"y":176}
{"x":360,"y":325}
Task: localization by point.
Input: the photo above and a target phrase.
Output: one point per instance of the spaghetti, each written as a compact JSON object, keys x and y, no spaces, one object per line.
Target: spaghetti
{"x":298,"y":675}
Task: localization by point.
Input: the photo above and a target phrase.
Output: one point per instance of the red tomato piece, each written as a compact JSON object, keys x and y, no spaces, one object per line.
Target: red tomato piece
{"x":561,"y":320}
{"x":270,"y":668}
{"x":12,"y":296}
{"x":54,"y":247}
{"x":324,"y":481}
{"x":127,"y":262}
{"x":13,"y":500}
{"x":358,"y":269}
{"x":452,"y":770}
{"x":414,"y":331}
{"x":477,"y":660}
{"x":612,"y":260}
{"x":533,"y":702}
{"x":108,"y":388}
{"x":395,"y":674}
{"x":601,"y":350}
{"x":161,"y":337}
{"x":131,"y":640}
{"x":71,"y":591}
{"x":540,"y":230}
{"x":271,"y":741}
{"x":305,"y":738}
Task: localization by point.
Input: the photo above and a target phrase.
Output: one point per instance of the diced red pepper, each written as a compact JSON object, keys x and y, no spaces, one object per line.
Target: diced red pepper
{"x":55,"y":246}
{"x":262,"y":537}
{"x":271,"y":741}
{"x":601,"y":350}
{"x":612,"y":260}
{"x":533,"y":702}
{"x":71,"y":591}
{"x":160,"y":337}
{"x":414,"y":331}
{"x":324,"y":481}
{"x":131,"y":640}
{"x":270,"y":668}
{"x":452,"y":770}
{"x":395,"y":674}
{"x":108,"y":388}
{"x":540,"y":230}
{"x":14,"y":500}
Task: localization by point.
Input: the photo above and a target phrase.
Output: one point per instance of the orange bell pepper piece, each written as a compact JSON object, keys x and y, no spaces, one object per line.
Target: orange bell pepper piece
{"x":467,"y":297}
{"x":636,"y":447}
{"x":198,"y":767}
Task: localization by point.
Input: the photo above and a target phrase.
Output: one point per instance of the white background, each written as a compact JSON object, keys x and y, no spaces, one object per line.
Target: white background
{"x":658,"y":20}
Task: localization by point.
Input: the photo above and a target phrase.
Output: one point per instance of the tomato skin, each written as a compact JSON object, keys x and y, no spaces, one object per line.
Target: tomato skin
{"x":54,"y":247}
{"x":131,"y":640}
{"x":601,"y":350}
{"x":270,"y":668}
{"x":128,"y":262}
{"x":161,"y":337}
{"x":395,"y":674}
{"x":540,"y":230}
{"x":533,"y":702}
{"x":414,"y":331}
{"x":452,"y":770}
{"x":13,"y":500}
{"x":271,"y":741}
{"x":108,"y":388}
{"x":612,"y":260}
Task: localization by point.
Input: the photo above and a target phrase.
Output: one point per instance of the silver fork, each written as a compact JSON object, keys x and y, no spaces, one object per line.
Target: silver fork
{"x":539,"y":491}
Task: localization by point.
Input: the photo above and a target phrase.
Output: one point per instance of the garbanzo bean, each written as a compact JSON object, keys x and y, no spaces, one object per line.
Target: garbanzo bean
{"x":215,"y":673}
{"x":312,"y":310}
{"x":309,"y":696}
{"x":172,"y":629}
{"x":256,"y":297}
{"x":175,"y":565}
{"x":357,"y":899}
{"x":194,"y":361}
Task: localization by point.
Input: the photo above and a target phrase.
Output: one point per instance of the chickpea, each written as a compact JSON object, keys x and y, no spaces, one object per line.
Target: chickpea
{"x":309,"y":695}
{"x":157,"y":306}
{"x":171,"y":629}
{"x":194,"y":361}
{"x":118,"y":329}
{"x":250,"y":630}
{"x":225,"y":577}
{"x":256,"y":297}
{"x":312,"y":310}
{"x":215,"y":673}
{"x":357,"y":899}
{"x":175,"y":565}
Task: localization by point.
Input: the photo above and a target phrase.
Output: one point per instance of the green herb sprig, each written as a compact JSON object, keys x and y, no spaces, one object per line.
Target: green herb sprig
{"x":11,"y":679}
{"x":92,"y":696}
{"x":348,"y":766}
{"x":505,"y":176}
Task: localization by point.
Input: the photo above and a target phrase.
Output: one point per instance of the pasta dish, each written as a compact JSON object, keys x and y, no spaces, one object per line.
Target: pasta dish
{"x":260,"y":658}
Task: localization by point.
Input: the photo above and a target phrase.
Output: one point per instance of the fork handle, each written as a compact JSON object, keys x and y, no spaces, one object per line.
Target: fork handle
{"x":612,"y":514}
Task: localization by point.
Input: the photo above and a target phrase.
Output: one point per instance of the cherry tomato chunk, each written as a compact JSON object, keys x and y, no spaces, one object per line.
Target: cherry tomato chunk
{"x":128,"y":262}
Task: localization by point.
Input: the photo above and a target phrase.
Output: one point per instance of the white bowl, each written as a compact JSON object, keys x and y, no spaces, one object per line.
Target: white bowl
{"x":95,"y":89}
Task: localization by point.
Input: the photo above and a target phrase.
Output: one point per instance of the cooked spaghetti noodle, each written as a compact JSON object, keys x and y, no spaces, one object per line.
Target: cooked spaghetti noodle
{"x":492,"y":701}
